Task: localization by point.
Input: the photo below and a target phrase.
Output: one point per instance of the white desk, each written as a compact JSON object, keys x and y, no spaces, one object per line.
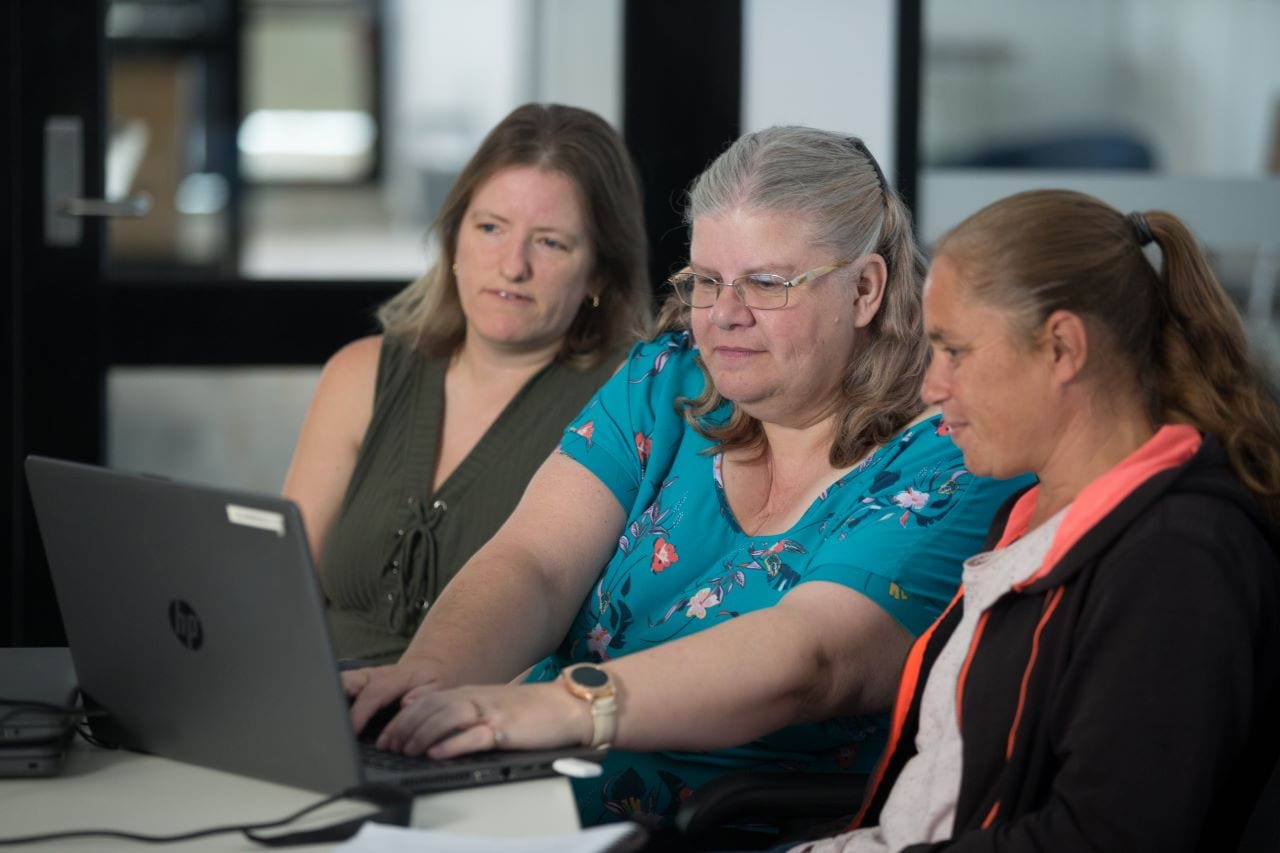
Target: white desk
{"x":101,"y":789}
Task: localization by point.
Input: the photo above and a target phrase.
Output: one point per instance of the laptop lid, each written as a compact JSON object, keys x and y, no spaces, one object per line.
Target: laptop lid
{"x":194,"y":618}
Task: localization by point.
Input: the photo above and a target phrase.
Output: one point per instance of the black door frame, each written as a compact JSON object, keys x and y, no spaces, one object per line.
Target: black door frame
{"x":53,"y":347}
{"x":906,"y":123}
{"x":681,"y":107}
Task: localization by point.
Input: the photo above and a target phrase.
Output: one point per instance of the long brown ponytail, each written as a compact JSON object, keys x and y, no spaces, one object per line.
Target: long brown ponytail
{"x":1174,"y":329}
{"x":1204,"y":374}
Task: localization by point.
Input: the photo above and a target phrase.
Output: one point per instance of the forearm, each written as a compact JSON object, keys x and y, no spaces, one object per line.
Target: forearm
{"x":496,"y":618}
{"x":715,"y":689}
{"x":753,"y":675}
{"x":514,"y":600}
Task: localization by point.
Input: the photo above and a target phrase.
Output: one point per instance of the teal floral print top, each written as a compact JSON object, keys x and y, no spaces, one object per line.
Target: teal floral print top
{"x":897,"y":529}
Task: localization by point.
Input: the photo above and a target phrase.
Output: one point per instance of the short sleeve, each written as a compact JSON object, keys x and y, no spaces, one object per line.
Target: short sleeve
{"x":904,"y":545}
{"x":884,"y":584}
{"x":631,"y":415}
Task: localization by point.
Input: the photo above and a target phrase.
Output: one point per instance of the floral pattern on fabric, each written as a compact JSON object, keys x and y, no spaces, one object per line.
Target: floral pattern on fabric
{"x":644,"y":445}
{"x":896,"y":528}
{"x":923,"y":501}
{"x":626,"y":797}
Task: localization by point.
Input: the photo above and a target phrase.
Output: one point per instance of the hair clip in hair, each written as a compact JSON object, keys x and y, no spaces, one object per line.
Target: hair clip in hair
{"x":1141,"y":228}
{"x":861,"y":147}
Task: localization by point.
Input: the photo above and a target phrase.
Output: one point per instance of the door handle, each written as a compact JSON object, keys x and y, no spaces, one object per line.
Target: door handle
{"x":133,"y":207}
{"x":64,"y":206}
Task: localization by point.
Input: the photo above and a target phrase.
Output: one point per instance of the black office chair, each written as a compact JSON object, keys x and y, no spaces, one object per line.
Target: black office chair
{"x":803,"y":806}
{"x":786,"y":807}
{"x":1262,"y":832}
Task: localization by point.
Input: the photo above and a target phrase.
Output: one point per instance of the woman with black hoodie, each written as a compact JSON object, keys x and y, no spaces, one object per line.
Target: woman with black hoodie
{"x":1107,"y":677}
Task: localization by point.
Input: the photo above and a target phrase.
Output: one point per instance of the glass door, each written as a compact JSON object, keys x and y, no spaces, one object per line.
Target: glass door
{"x":210,"y":197}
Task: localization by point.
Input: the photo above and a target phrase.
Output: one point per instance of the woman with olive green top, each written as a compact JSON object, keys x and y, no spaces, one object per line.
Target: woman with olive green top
{"x":396,"y":542}
{"x":419,"y":442}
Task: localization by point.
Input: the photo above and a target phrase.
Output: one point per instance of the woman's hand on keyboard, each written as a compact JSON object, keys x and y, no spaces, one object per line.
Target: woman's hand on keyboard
{"x":375,"y":687}
{"x":443,"y":723}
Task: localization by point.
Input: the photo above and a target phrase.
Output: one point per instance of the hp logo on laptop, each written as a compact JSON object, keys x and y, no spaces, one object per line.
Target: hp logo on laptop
{"x":185,"y":624}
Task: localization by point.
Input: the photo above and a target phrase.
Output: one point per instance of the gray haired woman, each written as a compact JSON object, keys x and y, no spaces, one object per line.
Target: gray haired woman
{"x":725,"y":564}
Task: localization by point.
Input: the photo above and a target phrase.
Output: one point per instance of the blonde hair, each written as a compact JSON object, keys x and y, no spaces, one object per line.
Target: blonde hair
{"x":1173,"y":330}
{"x":831,"y":182}
{"x":583,"y":147}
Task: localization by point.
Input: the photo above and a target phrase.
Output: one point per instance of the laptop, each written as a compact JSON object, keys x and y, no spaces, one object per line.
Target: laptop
{"x":44,"y":677}
{"x":37,"y":689}
{"x":195,"y":620}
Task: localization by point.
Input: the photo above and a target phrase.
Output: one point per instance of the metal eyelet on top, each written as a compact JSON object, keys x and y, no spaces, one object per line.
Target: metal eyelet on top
{"x":440,"y":505}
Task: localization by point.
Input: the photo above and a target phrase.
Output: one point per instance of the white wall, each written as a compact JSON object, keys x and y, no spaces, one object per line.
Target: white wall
{"x":470,"y":61}
{"x":580,"y":55}
{"x":1210,"y":81}
{"x":454,"y":69}
{"x":822,"y":63}
{"x":1234,"y":214}
{"x":1000,"y":68}
{"x":1200,"y":79}
{"x":232,"y":427}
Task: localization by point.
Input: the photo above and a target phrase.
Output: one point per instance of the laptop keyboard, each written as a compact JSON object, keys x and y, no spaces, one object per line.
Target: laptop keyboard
{"x":423,"y":775}
{"x":371,"y":756}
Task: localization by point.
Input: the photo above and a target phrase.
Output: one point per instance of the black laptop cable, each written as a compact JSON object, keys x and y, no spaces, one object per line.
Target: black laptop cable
{"x":394,"y":804}
{"x":22,"y":706}
{"x":72,"y":713}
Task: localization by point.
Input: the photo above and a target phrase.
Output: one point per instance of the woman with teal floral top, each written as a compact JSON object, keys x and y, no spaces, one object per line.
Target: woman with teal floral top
{"x":744,"y":529}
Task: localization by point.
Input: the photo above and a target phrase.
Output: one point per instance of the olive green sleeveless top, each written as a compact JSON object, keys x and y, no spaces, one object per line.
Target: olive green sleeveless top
{"x":394,"y":544}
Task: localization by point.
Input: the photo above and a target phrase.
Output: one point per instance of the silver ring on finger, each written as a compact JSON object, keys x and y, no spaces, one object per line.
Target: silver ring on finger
{"x":498,"y":737}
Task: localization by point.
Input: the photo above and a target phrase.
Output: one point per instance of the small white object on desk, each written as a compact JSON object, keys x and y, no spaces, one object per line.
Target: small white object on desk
{"x":577,"y":768}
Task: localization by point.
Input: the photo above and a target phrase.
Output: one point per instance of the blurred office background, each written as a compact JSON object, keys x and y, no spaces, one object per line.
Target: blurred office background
{"x":296,"y":152}
{"x":354,"y":118}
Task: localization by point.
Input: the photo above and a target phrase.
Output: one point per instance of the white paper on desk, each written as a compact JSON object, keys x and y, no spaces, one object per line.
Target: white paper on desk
{"x":380,"y":838}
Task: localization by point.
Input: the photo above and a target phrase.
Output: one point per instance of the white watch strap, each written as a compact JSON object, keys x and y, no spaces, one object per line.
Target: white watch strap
{"x":604,"y":721}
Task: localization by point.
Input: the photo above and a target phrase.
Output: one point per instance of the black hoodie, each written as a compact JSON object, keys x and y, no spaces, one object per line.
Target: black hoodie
{"x":1125,"y":698}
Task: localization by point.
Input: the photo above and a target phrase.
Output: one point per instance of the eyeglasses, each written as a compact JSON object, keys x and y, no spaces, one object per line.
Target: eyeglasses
{"x":760,"y":291}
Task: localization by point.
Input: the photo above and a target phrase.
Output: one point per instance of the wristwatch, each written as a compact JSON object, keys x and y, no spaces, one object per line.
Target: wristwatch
{"x":592,"y":684}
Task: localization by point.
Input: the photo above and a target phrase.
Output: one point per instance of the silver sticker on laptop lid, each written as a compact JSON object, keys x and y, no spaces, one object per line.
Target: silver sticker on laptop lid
{"x":262,"y":519}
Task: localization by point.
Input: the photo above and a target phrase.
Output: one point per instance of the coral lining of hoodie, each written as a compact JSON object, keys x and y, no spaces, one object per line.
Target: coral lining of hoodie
{"x":1171,"y":446}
